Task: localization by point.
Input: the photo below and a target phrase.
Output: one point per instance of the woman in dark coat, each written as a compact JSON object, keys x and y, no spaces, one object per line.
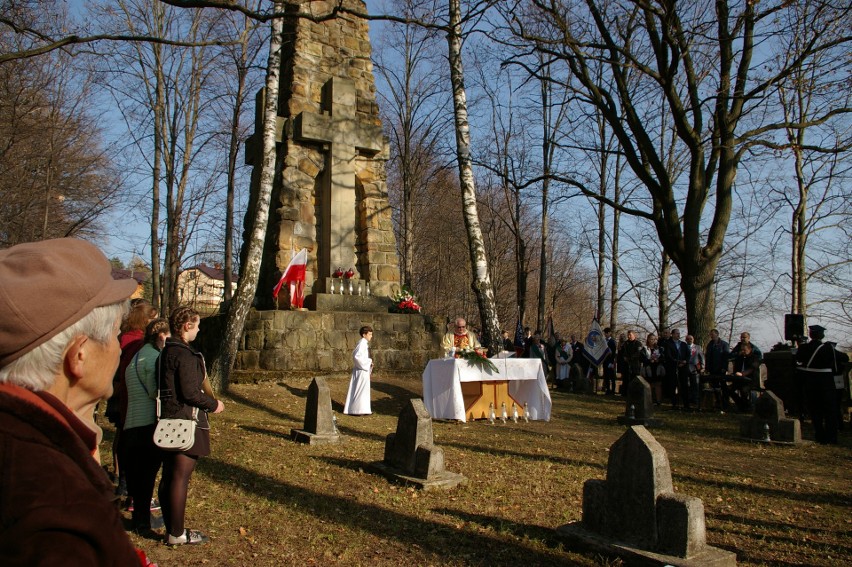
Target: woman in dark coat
{"x":180,"y":377}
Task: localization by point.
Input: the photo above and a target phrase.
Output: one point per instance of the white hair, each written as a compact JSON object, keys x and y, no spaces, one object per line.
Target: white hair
{"x":36,"y":370}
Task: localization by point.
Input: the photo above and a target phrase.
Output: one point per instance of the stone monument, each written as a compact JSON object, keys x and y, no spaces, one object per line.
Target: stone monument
{"x":411,"y":457}
{"x":768,"y":423}
{"x":329,"y":193}
{"x":320,"y":428}
{"x":635,"y":513}
{"x":330,"y":197}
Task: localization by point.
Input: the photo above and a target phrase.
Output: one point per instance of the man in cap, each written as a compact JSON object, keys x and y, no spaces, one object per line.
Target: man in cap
{"x":60,"y":311}
{"x":817,"y":365}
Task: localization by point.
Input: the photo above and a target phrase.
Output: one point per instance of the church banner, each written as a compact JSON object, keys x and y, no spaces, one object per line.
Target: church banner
{"x":595,"y":347}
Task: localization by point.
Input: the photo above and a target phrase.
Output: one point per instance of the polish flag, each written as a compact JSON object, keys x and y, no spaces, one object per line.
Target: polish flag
{"x":294,"y":274}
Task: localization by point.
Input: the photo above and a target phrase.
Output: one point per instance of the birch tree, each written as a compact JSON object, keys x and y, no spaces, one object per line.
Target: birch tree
{"x":221,"y":368}
{"x":482,"y":287}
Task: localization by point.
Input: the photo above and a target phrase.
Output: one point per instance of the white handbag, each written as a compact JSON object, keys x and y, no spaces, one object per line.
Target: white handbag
{"x":175,"y":434}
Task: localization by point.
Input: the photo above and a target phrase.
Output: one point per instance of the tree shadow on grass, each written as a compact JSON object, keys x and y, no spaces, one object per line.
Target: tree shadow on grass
{"x":275,"y":433}
{"x":549,"y":537}
{"x":264,"y":408}
{"x":396,"y":399}
{"x":793,"y":526}
{"x":828,"y":497}
{"x":523,"y":456}
{"x":440,"y":540}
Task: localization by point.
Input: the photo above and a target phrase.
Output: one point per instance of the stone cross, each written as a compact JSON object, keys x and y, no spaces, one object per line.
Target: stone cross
{"x":337,"y":126}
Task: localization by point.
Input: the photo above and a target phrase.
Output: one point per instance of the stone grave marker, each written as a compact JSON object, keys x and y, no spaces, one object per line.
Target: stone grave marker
{"x":580,"y":384}
{"x":411,"y":457}
{"x":638,"y":409}
{"x":769,"y":411}
{"x":636,"y":515}
{"x":319,"y":428}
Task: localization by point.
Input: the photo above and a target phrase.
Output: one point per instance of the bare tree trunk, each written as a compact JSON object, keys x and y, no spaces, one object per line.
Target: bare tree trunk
{"x":156,"y":291}
{"x":482,"y":287}
{"x":221,"y":368}
{"x":520,"y":261}
{"x":616,"y":223}
{"x":546,"y":154}
{"x":663,"y":292}
{"x":601,"y":251}
{"x":800,"y":239}
{"x":233,"y":151}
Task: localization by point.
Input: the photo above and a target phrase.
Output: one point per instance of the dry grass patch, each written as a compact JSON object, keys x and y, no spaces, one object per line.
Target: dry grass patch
{"x":265,"y":500}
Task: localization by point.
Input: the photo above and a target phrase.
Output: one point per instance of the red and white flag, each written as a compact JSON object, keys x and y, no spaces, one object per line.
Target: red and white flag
{"x":294,"y":275}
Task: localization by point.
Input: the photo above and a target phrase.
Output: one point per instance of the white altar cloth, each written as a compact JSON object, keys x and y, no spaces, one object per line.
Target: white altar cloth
{"x":442,"y":380}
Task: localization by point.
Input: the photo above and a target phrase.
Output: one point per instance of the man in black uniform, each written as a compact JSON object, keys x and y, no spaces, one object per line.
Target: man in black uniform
{"x":816,"y":366}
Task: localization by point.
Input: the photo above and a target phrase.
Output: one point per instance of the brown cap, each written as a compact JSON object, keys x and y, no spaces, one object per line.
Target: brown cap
{"x":45,"y":287}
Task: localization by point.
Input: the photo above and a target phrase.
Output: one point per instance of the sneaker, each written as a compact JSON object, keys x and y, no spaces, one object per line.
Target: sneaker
{"x":189,"y":537}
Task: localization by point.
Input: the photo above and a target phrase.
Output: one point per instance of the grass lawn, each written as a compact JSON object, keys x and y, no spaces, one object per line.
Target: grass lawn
{"x":265,"y":500}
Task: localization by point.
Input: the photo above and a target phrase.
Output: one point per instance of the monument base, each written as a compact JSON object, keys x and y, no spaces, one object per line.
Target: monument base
{"x":302,"y":436}
{"x":283,"y":343}
{"x":707,"y":557}
{"x":628,"y":421}
{"x":330,"y":303}
{"x":443,"y":480}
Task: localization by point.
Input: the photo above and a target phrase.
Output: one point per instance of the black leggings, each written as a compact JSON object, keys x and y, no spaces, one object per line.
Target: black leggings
{"x":177,"y":469}
{"x":141,"y":460}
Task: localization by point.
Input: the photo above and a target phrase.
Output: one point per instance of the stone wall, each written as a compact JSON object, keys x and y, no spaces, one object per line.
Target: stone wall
{"x":279,"y":343}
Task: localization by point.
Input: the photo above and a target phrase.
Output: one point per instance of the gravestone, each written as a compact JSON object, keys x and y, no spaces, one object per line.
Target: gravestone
{"x":768,"y":423}
{"x":330,"y":193}
{"x":411,"y":457}
{"x":580,"y":383}
{"x":639,"y":409}
{"x":636,"y":514}
{"x":319,"y":428}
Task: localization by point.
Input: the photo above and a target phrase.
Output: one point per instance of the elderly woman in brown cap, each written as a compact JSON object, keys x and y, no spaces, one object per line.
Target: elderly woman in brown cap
{"x":60,"y":312}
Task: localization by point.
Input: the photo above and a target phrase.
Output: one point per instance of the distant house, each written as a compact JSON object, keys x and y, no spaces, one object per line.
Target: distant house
{"x":203,"y":287}
{"x":143,"y":279}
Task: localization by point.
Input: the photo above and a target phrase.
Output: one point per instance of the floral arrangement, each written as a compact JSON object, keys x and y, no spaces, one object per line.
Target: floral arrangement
{"x":404,"y":302}
{"x":478,"y":358}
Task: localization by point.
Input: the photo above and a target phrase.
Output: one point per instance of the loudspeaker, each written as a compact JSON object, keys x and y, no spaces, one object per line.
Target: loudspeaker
{"x":794,"y":326}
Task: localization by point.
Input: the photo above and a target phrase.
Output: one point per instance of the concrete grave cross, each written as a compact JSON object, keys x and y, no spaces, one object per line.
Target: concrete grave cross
{"x":339,"y":127}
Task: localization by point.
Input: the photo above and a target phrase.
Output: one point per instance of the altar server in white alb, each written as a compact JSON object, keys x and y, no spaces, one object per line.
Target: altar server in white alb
{"x":358,"y":397}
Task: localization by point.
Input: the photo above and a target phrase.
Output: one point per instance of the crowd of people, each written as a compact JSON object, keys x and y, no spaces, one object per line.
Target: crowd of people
{"x":62,"y":354}
{"x":678,"y":371}
{"x":675,"y":368}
